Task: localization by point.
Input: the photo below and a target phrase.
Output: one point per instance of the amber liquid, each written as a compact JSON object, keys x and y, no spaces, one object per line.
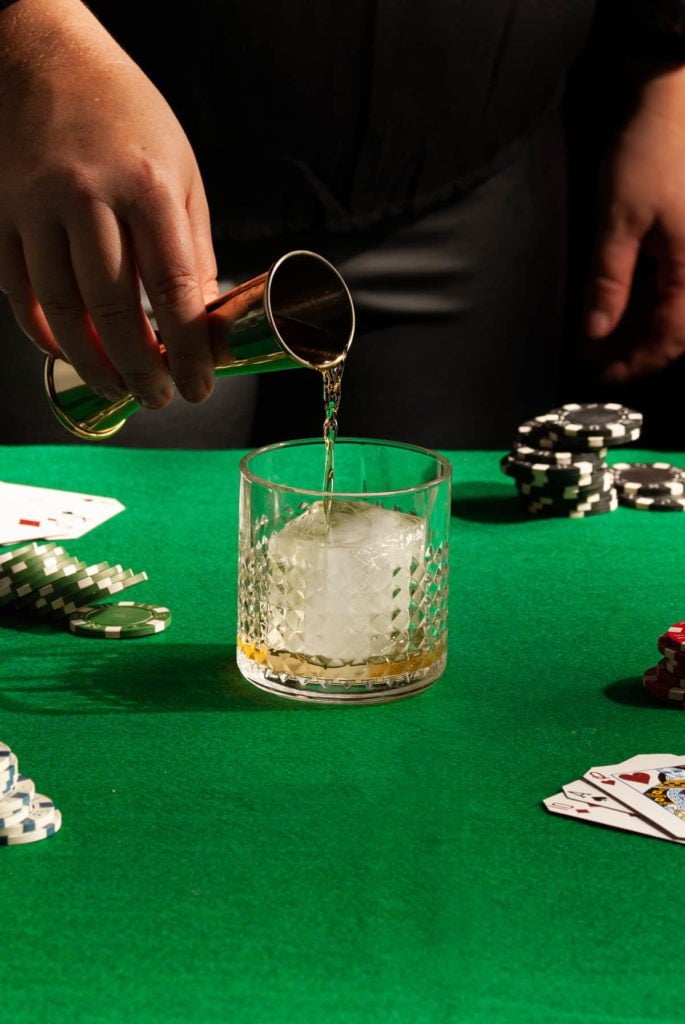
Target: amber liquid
{"x":332,"y":389}
{"x":361,"y":675}
{"x":309,"y":342}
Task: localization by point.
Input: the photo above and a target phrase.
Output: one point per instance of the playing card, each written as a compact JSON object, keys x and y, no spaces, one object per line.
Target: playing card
{"x":653,"y":786}
{"x":31,"y":513}
{"x":580,"y":791}
{"x":610,"y":815}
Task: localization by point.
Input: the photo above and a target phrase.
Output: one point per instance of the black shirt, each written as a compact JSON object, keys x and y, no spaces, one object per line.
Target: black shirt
{"x":312,"y":115}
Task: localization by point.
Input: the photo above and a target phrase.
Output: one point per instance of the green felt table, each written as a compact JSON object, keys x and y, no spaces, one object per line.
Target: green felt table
{"x":231,"y":856}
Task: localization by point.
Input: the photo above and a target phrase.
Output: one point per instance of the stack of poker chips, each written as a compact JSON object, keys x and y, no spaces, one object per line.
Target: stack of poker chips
{"x":42,"y":579}
{"x":665,"y":681}
{"x":651,"y":486}
{"x":25,"y":816}
{"x":558,"y":461}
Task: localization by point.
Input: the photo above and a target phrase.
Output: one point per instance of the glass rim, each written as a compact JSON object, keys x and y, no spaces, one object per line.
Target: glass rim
{"x":444,"y":464}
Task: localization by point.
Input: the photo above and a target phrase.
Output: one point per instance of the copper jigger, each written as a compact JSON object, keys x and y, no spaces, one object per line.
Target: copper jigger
{"x":299,"y":313}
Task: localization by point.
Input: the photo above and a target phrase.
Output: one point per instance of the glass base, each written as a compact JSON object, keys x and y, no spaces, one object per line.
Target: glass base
{"x":382,"y":684}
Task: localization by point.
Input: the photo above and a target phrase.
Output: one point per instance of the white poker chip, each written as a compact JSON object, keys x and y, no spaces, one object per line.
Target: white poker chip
{"x":9,"y":775}
{"x":25,"y":816}
{"x":13,"y":802}
{"x":24,"y":785}
{"x":15,"y":817}
{"x":38,"y":816}
{"x":33,"y":835}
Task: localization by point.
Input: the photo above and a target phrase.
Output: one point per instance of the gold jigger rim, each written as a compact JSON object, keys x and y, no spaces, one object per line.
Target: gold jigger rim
{"x":271,"y":273}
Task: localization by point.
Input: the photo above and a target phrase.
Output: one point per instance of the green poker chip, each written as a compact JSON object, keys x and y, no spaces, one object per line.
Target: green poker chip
{"x":34,"y":595}
{"x":59,"y":609}
{"x":122,"y":620}
{"x":46,"y":554}
{"x":32,"y":566}
{"x":83,"y":589}
{"x":16,"y":554}
{"x":32,"y":581}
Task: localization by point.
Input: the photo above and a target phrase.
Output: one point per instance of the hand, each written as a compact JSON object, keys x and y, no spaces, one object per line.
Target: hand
{"x":100,"y":190}
{"x":642,"y":215}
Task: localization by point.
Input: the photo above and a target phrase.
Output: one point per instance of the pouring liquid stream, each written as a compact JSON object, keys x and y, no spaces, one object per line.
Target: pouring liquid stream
{"x":311,"y":342}
{"x":332,"y":384}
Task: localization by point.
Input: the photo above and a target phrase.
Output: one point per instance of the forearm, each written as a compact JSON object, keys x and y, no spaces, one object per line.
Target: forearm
{"x":39,"y":35}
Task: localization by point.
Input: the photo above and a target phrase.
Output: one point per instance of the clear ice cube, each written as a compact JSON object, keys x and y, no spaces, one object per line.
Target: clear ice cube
{"x":341,"y":582}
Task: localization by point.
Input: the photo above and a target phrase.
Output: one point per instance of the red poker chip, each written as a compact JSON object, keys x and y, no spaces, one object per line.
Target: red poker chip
{"x":669,"y":650}
{"x":671,"y":669}
{"x":670,"y":673}
{"x":676,"y":634}
{"x":653,"y":683}
{"x":674,"y":638}
{"x":667,"y":645}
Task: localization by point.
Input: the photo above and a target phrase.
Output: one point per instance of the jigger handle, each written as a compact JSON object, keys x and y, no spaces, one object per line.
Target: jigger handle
{"x":299,"y":313}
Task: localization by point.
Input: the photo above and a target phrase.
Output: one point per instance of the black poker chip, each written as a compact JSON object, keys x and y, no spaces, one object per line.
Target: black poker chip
{"x":534,"y":433}
{"x":653,"y":503}
{"x":592,"y":425}
{"x":594,"y":502}
{"x":581,"y":511}
{"x":594,"y":499}
{"x":580,"y":475}
{"x":564,"y":500}
{"x":570,"y":492}
{"x":648,"y":479}
{"x":557,"y":458}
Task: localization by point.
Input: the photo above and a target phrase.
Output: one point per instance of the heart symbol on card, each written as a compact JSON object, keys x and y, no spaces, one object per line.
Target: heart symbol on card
{"x":635,"y":777}
{"x":608,"y":782}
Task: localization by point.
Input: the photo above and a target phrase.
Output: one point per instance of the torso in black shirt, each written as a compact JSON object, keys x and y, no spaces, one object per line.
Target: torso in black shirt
{"x":312,"y":115}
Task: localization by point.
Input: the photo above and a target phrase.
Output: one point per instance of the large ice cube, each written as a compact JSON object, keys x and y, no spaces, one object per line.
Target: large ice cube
{"x":341,"y":583}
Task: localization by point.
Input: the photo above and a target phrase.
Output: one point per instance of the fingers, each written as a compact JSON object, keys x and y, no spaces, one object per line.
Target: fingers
{"x":644,"y":315}
{"x":74,"y":290}
{"x":48,"y":265}
{"x":15,"y":283}
{"x":611,"y":281}
{"x":663,"y":340}
{"x":107,"y":279}
{"x":53,"y":275}
{"x":175,"y":281}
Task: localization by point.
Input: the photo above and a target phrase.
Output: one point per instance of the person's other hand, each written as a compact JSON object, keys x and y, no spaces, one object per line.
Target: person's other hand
{"x":642,"y":216}
{"x":100,"y":190}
